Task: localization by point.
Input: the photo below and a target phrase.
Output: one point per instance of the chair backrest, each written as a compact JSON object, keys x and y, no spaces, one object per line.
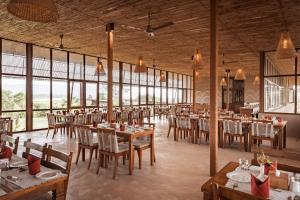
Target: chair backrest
{"x":80,"y":119}
{"x":107,"y":140}
{"x":262,"y":129}
{"x":51,"y":119}
{"x":85,"y":135}
{"x":12,"y":142}
{"x":5,"y":126}
{"x":221,"y":192}
{"x":204,"y":124}
{"x":59,"y":159}
{"x":96,"y":117}
{"x":171,"y":120}
{"x":232,"y":127}
{"x":125,"y":115}
{"x":30,"y":146}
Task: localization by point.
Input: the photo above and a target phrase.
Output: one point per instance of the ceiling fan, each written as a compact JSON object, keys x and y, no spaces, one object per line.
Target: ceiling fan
{"x":150,"y":30}
{"x":61,"y":45}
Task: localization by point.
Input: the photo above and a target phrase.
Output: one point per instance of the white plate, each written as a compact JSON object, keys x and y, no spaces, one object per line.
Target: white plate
{"x":242,"y":177}
{"x":47,"y":175}
{"x":18,"y":164}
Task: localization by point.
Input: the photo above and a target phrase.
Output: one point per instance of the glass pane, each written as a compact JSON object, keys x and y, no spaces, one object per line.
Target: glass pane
{"x":170,"y":79}
{"x":90,"y":68}
{"x":103,"y":94}
{"x":179,"y":80}
{"x":18,"y":118}
{"x":157,"y":95}
{"x":13,"y":57}
{"x":104,"y":77}
{"x":175,"y":96}
{"x":41,"y":61}
{"x":40,"y":119}
{"x":41,"y":93}
{"x":280,"y":94}
{"x":143,"y":94}
{"x":175,"y":80}
{"x":116,"y":72}
{"x":180,"y":96}
{"x":151,"y":76}
{"x":184,"y":81}
{"x":135,"y":95}
{"x":184,"y":96}
{"x":76,"y":93}
{"x":143,"y":78}
{"x":298,"y":94}
{"x":126,"y":95}
{"x":59,"y":64}
{"x":164,"y":96}
{"x":76,"y":66}
{"x":170,"y":96}
{"x":164,"y":83}
{"x":13,"y":93}
{"x":116,"y":94}
{"x":157,"y":78}
{"x":275,"y":66}
{"x":135,"y":76}
{"x":188,"y":96}
{"x":59,"y":94}
{"x":91,"y":94}
{"x":150,"y":95}
{"x":126,"y":73}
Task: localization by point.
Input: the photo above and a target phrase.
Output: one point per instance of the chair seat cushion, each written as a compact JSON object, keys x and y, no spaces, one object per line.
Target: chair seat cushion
{"x":123,"y":147}
{"x":140,"y":144}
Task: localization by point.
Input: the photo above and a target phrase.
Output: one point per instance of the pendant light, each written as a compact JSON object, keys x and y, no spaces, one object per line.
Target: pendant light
{"x":197,"y":74}
{"x":162,"y":77}
{"x":285,"y":47}
{"x":140,"y":66}
{"x":34,"y":10}
{"x":240,"y":75}
{"x":197,"y":59}
{"x":256,"y":80}
{"x":100,"y":69}
{"x":223,"y":82}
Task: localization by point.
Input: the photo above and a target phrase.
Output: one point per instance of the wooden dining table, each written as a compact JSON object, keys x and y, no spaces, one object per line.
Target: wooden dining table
{"x":130,"y":136}
{"x":28,"y":186}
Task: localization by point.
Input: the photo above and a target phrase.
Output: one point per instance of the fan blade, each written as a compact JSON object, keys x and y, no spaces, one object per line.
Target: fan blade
{"x":163,"y":26}
{"x":131,"y":27}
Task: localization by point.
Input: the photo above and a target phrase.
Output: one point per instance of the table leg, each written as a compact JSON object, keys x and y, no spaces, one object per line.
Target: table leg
{"x":175,"y":138}
{"x":131,"y":154}
{"x":280,"y":138}
{"x":83,"y":154}
{"x":284,"y":137}
{"x":152,"y":149}
{"x":221,"y":142}
{"x":59,"y":192}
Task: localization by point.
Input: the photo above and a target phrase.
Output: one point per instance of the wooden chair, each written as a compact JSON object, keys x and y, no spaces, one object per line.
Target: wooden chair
{"x":263,"y":131}
{"x":86,"y":141}
{"x":60,"y":162}
{"x":12,"y":142}
{"x":233,"y":129}
{"x":184,"y":127}
{"x":109,"y":147}
{"x":143,"y":143}
{"x":287,"y":160}
{"x":224,"y":193}
{"x":171,"y":120}
{"x":6,"y":126}
{"x":29,"y":146}
{"x":96,"y":117}
{"x":203,"y":129}
{"x":52,"y":123}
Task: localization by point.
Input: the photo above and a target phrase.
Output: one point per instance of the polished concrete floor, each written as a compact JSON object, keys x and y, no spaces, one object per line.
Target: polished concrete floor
{"x":179,"y":172}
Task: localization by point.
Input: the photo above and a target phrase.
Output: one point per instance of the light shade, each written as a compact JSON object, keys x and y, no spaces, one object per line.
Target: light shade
{"x":197,"y":59}
{"x":140,"y":66}
{"x":100,"y":69}
{"x":223,"y":82}
{"x":256,"y":80}
{"x":285,"y":47}
{"x":34,"y":10}
{"x":240,"y":75}
{"x":162,"y":77}
{"x":197,"y":74}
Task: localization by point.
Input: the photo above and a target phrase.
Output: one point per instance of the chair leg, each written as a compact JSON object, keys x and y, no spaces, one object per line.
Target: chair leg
{"x":116,"y":167}
{"x":78,"y":154}
{"x":139,"y":151}
{"x":96,"y":153}
{"x":169,"y":131}
{"x":241,"y":142}
{"x":48,"y":131}
{"x":91,"y":157}
{"x":54,"y":132}
{"x":99,"y":163}
{"x":124,"y":159}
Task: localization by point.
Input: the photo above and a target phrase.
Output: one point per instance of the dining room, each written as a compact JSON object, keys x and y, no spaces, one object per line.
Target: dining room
{"x":139,"y":99}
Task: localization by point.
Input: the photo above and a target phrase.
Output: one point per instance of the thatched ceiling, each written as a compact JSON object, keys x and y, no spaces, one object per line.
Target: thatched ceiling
{"x":246,"y":27}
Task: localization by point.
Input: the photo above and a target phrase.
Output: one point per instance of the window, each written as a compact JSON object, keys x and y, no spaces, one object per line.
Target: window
{"x":59,"y":64}
{"x":126,"y":73}
{"x":40,"y":93}
{"x":163,"y":95}
{"x":76,"y":94}
{"x":103,"y":77}
{"x":41,"y":62}
{"x":91,"y":94}
{"x":116,"y":72}
{"x":157,"y":96}
{"x":135,"y":77}
{"x":170,"y":79}
{"x":103,"y":94}
{"x":170,"y":96}
{"x":90,"y":68}
{"x":116,"y":95}
{"x":143,"y":95}
{"x":135,"y":95}
{"x":143,"y":78}
{"x":76,"y":66}
{"x":151,"y":78}
{"x":150,"y":95}
{"x":59,"y":94}
{"x":126,"y":95}
{"x":157,"y":78}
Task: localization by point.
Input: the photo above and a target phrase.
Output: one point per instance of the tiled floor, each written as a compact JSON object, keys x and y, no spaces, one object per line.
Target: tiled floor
{"x":180,"y":170}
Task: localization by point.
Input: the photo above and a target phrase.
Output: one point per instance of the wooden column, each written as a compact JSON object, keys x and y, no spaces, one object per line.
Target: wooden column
{"x":110,"y":37}
{"x":261,"y":82}
{"x":213,"y":88}
{"x":121,"y":85}
{"x":194,"y":90}
{"x":29,"y":113}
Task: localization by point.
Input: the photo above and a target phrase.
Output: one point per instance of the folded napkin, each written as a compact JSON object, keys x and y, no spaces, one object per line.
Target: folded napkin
{"x":270,"y":168}
{"x":34,"y":164}
{"x":260,"y":186}
{"x":6,"y":152}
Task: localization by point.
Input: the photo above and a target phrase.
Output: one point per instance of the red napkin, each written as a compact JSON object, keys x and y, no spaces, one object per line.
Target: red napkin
{"x":122,"y":127}
{"x":270,"y":168}
{"x":95,"y":124}
{"x":279,"y":119}
{"x":6,"y":152}
{"x":259,"y":188}
{"x":34,"y":164}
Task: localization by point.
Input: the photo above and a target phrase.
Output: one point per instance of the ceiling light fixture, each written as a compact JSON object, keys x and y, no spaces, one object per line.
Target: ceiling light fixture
{"x":285,"y":47}
{"x":34,"y":10}
{"x":140,"y":67}
{"x":223,"y":82}
{"x":256,"y":80}
{"x":100,"y":69}
{"x":240,"y":75}
{"x":197,"y":59}
{"x":162,"y":77}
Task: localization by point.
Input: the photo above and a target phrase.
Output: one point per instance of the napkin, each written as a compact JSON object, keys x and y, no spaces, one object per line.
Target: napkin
{"x":270,"y":168}
{"x":260,"y":186}
{"x":6,"y":152}
{"x":34,"y":164}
